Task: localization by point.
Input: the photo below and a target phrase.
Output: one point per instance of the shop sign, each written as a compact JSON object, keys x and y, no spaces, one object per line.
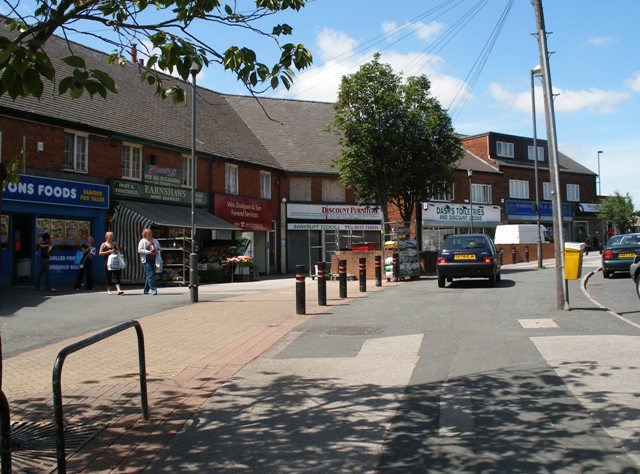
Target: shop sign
{"x":248,"y":214}
{"x":448,"y":214}
{"x":527,"y":209}
{"x":589,"y":207}
{"x":332,"y":212}
{"x":37,"y":189}
{"x":351,"y":227}
{"x":162,"y":175}
{"x":154,"y":192}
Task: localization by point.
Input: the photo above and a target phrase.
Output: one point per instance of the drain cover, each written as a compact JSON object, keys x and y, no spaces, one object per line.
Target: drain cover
{"x":354,"y":330}
{"x":33,"y":445}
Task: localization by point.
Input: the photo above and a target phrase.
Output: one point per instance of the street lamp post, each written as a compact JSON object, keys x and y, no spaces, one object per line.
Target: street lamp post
{"x":599,"y":177}
{"x":469,"y":174}
{"x":193,"y":256}
{"x":536,"y":72}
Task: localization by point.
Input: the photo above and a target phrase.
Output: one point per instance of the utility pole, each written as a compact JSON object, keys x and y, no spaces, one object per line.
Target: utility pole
{"x":558,"y":233}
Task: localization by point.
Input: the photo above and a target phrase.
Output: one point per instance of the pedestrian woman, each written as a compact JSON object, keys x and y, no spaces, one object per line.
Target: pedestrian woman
{"x":110,"y":247}
{"x":88,"y":250}
{"x":149,"y":249}
{"x":45,"y":246}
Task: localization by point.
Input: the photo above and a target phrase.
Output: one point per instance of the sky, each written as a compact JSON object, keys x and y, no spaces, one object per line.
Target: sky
{"x":595,"y":66}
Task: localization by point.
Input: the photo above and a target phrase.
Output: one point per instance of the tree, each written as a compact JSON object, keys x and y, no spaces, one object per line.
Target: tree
{"x":398,"y":144}
{"x":619,"y":211}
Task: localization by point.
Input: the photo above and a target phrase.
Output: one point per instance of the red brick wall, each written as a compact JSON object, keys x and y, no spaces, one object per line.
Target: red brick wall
{"x":353,"y":263}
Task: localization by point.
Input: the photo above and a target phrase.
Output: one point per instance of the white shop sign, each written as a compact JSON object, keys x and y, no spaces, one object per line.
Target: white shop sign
{"x":340,"y":212}
{"x":352,"y":227}
{"x":452,"y":215}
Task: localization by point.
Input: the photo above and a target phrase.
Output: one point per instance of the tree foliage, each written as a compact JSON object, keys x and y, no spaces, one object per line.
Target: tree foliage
{"x":619,"y":211}
{"x":164,"y":28}
{"x":398,"y":144}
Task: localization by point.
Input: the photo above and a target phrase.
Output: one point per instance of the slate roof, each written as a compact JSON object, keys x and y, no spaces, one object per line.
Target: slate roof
{"x":469,"y":161}
{"x":138,"y":113}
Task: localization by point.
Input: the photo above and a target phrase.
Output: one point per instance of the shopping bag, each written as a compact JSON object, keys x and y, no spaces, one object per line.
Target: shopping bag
{"x":79,"y":257}
{"x":122,"y":262}
{"x":113,"y":262}
{"x":159,"y":264}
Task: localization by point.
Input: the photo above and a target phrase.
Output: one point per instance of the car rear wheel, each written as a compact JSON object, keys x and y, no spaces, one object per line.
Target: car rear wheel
{"x":638,"y":285}
{"x":498,"y":277}
{"x":606,"y":274}
{"x":492,"y":280}
{"x":440,"y":281}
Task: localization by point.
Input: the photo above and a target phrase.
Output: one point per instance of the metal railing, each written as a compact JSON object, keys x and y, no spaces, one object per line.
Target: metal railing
{"x":57,"y":384}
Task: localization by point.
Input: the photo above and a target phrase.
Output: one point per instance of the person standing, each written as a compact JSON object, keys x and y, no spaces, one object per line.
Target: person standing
{"x":86,"y":264}
{"x":110,"y":247}
{"x":45,"y":246}
{"x":149,"y":249}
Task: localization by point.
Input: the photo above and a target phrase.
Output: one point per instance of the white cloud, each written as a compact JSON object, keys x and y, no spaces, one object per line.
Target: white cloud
{"x":322,"y":82}
{"x":567,"y":100}
{"x":634,"y":82}
{"x":424,"y":31}
{"x":600,"y":40}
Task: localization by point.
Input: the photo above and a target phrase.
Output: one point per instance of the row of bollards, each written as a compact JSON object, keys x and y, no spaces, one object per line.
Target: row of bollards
{"x":342,"y":281}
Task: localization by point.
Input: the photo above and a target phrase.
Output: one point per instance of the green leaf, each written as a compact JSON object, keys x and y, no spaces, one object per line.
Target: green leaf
{"x":64,"y":85}
{"x":274,"y":82}
{"x":228,"y":10}
{"x":75,"y":61}
{"x":32,"y":84}
{"x":105,"y":79}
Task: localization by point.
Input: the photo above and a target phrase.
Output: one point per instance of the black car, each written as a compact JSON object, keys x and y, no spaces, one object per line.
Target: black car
{"x":468,"y":256}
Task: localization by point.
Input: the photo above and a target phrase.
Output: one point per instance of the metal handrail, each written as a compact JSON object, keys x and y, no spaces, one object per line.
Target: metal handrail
{"x":57,"y":384}
{"x":5,"y":435}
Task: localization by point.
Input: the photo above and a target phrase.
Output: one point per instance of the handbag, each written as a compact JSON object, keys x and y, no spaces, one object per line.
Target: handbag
{"x":79,"y":257}
{"x":159,"y":264}
{"x":113,"y":262}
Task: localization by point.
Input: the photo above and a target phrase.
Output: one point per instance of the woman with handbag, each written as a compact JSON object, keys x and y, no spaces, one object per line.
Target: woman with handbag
{"x":113,"y":262}
{"x":88,"y":250}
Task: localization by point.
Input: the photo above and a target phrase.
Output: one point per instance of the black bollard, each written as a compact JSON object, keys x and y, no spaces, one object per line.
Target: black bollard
{"x":526,"y":253}
{"x":322,"y":284}
{"x":513,"y":254}
{"x":362,"y":277}
{"x":301,"y":307}
{"x":396,"y":267}
{"x":378,"y":270}
{"x":342,"y":278}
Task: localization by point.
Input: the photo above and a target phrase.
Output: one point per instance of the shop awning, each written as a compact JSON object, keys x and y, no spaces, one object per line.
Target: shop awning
{"x":174,"y":216}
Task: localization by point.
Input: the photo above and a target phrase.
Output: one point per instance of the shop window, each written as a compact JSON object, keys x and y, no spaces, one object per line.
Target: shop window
{"x":518,"y":189}
{"x":76,"y":152}
{"x":546,"y":191}
{"x":131,"y":161}
{"x":481,"y":193}
{"x":333,"y":191}
{"x":573,"y":192}
{"x":186,"y":171}
{"x":540,"y":153}
{"x":230,"y":179}
{"x":505,"y":149}
{"x":265,"y":185}
{"x":300,"y":189}
{"x":445,"y":196}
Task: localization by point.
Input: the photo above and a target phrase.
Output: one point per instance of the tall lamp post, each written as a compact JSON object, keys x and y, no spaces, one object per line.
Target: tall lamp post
{"x":599,"y":177}
{"x":193,"y":256}
{"x":536,"y":72}
{"x":469,"y":174}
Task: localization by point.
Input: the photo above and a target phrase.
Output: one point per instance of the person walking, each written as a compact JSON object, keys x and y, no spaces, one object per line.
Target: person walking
{"x":86,"y":264}
{"x":110,"y":247}
{"x":45,"y":246}
{"x":149,"y":249}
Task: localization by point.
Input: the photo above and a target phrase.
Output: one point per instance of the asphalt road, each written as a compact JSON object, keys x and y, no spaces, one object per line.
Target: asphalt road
{"x":617,"y":293}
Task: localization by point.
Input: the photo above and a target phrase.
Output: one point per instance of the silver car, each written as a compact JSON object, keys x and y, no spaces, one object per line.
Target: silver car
{"x":634,"y":270}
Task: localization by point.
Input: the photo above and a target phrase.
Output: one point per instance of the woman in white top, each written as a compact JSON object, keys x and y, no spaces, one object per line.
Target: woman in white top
{"x":149,"y":249}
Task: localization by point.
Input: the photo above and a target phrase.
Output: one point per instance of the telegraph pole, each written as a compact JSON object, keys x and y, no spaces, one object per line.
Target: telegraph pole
{"x":562,"y":295}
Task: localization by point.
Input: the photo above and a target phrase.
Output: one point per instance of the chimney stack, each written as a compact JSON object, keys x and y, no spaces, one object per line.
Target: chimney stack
{"x":134,"y":54}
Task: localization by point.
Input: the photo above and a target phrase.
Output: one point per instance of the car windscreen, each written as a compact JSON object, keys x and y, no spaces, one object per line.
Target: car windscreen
{"x":465,"y":242}
{"x":628,"y":240}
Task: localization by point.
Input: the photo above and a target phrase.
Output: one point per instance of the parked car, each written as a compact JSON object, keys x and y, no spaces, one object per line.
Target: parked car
{"x":634,"y":269}
{"x":468,"y":256}
{"x":619,"y":253}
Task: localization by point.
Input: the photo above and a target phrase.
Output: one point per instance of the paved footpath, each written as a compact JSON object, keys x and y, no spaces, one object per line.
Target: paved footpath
{"x":191,"y":350}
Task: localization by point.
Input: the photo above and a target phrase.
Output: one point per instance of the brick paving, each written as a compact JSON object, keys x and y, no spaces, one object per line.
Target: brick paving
{"x":190,"y":351}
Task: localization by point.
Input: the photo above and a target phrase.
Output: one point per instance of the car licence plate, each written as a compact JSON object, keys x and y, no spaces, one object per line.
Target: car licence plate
{"x":465,"y":256}
{"x":627,"y":255}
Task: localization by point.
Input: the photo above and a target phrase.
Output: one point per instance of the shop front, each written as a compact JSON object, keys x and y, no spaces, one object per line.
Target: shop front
{"x":254,"y":217}
{"x":69,"y":211}
{"x":587,"y":227}
{"x":440,"y":219}
{"x":314,"y":231}
{"x":524,"y":212}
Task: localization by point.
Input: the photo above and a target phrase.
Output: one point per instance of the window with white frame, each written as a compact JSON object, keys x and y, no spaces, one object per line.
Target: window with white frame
{"x":446,"y":195}
{"x":573,"y":192}
{"x":185,"y":169}
{"x":519,"y":189}
{"x":546,"y":191}
{"x":265,"y":185}
{"x":481,"y":193}
{"x":76,"y":148}
{"x":131,"y":161}
{"x":505,"y":149}
{"x":230,"y":179}
{"x":540,"y":153}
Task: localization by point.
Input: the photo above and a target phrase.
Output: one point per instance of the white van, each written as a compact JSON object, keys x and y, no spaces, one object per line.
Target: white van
{"x":520,"y":234}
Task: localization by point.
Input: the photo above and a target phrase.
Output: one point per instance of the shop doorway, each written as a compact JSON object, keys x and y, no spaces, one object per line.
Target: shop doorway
{"x":23,"y":249}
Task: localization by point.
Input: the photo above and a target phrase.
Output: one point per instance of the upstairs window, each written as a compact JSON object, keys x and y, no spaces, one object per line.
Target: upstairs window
{"x":540,"y":153}
{"x":505,"y":149}
{"x":300,"y":189}
{"x":75,"y":152}
{"x":446,"y":196}
{"x":518,"y":189}
{"x":186,"y":171}
{"x":546,"y":191}
{"x":333,"y":191}
{"x":231,"y":179}
{"x":573,"y":192}
{"x":265,"y":185}
{"x":481,"y":193}
{"x":131,"y":161}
